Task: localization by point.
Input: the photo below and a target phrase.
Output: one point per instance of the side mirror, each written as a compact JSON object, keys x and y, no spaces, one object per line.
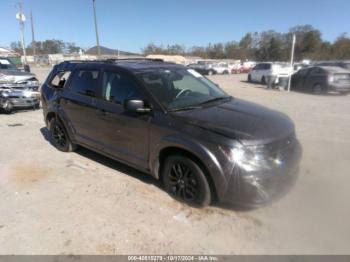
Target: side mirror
{"x":136,"y":105}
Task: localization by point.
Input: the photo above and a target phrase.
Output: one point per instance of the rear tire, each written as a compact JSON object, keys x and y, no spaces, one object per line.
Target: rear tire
{"x":59,"y":136}
{"x":263,"y":80}
{"x":185,"y":180}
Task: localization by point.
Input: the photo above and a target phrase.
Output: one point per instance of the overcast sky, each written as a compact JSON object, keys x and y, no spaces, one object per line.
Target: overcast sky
{"x":131,"y":24}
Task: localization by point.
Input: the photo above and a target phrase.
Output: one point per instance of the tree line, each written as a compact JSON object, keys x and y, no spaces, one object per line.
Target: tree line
{"x":266,"y":46}
{"x":51,"y":46}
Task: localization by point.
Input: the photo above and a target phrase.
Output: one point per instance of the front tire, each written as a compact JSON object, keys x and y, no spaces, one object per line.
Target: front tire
{"x":317,"y":89}
{"x":185,"y":180}
{"x":59,"y":136}
{"x":263,"y":80}
{"x":8,"y":107}
{"x":249,"y":78}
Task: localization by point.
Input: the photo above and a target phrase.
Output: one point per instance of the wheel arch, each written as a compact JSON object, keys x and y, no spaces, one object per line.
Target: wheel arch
{"x":53,"y":114}
{"x":201,"y":155}
{"x":172,"y":150}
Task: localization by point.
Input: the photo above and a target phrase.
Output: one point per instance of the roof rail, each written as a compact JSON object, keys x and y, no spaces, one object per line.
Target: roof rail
{"x":84,"y":61}
{"x":134,"y":59}
{"x":115,"y":60}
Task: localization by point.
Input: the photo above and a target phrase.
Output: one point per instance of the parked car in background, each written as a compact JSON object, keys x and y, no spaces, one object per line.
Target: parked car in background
{"x":202,"y":69}
{"x":322,"y":79}
{"x":261,"y":71}
{"x":299,"y":66}
{"x":18,"y":89}
{"x":221,"y":68}
{"x":236,"y":68}
{"x":247,"y":66}
{"x":175,"y":125}
{"x":342,"y":64}
{"x":12,"y":99}
{"x":11,"y":76}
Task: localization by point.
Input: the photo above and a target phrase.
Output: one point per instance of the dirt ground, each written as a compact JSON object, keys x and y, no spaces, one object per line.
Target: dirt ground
{"x":84,"y":203}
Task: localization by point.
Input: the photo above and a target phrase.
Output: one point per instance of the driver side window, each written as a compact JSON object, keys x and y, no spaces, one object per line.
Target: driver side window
{"x":118,"y":87}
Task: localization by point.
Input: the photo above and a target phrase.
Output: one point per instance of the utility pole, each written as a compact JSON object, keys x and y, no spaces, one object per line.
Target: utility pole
{"x":21,"y":19}
{"x":291,"y":62}
{"x":33,"y":36}
{"x":96,"y":30}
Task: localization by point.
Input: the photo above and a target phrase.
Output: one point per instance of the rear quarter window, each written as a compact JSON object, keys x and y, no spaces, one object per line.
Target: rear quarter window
{"x":60,"y":79}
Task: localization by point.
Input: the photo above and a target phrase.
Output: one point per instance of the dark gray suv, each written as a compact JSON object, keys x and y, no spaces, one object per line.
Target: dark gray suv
{"x":176,"y":125}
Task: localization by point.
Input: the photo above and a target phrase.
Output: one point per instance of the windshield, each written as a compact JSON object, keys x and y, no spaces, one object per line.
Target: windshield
{"x":176,"y":89}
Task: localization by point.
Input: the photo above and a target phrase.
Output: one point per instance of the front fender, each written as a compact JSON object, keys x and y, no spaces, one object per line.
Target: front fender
{"x":208,"y":159}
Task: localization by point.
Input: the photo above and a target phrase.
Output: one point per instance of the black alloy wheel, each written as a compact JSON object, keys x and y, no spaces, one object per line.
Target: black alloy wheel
{"x":59,"y":136}
{"x":184,"y":179}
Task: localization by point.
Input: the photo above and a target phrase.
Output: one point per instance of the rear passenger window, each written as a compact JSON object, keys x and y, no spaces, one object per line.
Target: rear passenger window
{"x":117,"y":87}
{"x":85,"y":82}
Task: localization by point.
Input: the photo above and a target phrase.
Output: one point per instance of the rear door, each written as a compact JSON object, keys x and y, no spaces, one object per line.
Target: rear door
{"x":78,"y":103}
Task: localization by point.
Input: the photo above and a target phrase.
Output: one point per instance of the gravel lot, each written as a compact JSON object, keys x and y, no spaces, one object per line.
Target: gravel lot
{"x":84,"y":203}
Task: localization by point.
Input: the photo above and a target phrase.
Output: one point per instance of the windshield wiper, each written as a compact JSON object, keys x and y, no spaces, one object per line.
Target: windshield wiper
{"x":216,"y":99}
{"x":184,"y":108}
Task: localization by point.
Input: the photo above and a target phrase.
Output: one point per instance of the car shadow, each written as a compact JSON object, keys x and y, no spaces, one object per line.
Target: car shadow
{"x":113,"y":164}
{"x":130,"y":171}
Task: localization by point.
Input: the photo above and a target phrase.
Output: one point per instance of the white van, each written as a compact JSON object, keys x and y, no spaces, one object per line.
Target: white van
{"x":261,"y":71}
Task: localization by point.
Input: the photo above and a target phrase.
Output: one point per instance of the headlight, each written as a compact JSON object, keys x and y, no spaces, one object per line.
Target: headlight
{"x":253,"y":158}
{"x":4,"y":94}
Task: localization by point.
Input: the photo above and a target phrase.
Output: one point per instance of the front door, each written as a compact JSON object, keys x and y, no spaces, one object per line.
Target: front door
{"x":124,"y":134}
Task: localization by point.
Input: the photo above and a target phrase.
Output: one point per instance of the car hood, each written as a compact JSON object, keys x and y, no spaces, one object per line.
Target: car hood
{"x":15,"y":76}
{"x":240,"y":120}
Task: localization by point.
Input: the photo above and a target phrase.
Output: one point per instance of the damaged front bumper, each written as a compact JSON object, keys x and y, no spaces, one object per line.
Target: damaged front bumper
{"x":254,"y":187}
{"x":17,"y":98}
